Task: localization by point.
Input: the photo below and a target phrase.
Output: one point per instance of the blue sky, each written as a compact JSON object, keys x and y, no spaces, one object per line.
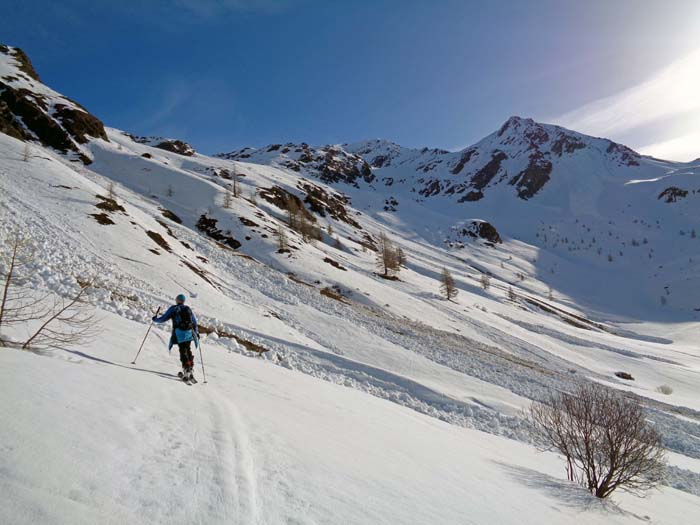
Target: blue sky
{"x":224,"y":74}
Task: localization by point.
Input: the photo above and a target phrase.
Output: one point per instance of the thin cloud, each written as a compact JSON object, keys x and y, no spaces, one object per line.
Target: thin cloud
{"x":672,"y":91}
{"x":685,"y":148}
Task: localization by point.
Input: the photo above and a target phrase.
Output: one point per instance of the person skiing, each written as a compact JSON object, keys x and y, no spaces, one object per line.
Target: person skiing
{"x":184,"y":332}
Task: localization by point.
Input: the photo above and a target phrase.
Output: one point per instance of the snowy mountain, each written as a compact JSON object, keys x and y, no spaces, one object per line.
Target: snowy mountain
{"x":335,"y":395}
{"x":589,"y":201}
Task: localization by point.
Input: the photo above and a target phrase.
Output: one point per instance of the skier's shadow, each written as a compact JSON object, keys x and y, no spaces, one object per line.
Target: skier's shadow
{"x":164,"y":375}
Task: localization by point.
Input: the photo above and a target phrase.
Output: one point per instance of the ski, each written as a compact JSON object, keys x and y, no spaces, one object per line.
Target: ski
{"x":189,"y":380}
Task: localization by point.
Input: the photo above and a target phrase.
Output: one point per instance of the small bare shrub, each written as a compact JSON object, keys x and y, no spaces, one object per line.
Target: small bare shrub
{"x":18,"y":303}
{"x":70,"y":322}
{"x":605,"y":437}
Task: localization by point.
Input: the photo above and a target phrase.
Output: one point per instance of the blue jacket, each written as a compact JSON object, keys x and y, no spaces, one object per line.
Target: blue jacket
{"x":179,"y":336}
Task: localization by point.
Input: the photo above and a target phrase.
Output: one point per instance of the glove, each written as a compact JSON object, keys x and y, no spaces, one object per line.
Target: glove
{"x":153,"y":318}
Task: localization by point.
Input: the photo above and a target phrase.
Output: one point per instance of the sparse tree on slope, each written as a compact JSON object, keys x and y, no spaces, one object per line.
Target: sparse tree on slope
{"x":111,"y":192}
{"x":447,"y":286}
{"x":401,"y":256}
{"x":228,"y":197}
{"x":387,"y":256}
{"x":236,"y":186}
{"x":485,"y":281}
{"x":282,"y":244}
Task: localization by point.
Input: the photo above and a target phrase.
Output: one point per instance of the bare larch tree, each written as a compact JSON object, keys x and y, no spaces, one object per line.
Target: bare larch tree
{"x":282,"y":243}
{"x":447,"y":286}
{"x":387,"y":256}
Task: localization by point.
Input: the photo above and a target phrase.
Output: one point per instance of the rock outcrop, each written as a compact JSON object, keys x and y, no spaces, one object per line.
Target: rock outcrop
{"x":29,"y":110}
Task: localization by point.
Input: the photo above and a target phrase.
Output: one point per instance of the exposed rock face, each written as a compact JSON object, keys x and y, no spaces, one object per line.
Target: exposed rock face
{"x":173,"y":145}
{"x":176,"y":146}
{"x":483,"y":176}
{"x":474,"y":229}
{"x":282,"y":199}
{"x":324,"y":203}
{"x":534,"y":177}
{"x":24,"y":64}
{"x":464,"y":159}
{"x":673,"y":194}
{"x":623,"y":155}
{"x":9,"y":125}
{"x":31,"y":111}
{"x":79,"y":123}
{"x":338,"y":166}
{"x":330,"y":164}
{"x":207,"y":225}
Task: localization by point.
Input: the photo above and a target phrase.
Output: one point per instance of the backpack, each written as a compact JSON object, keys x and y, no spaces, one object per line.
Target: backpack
{"x":182,"y":318}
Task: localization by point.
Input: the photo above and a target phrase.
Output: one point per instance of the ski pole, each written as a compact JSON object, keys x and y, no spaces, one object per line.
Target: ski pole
{"x":144,"y":339}
{"x":201,"y":359}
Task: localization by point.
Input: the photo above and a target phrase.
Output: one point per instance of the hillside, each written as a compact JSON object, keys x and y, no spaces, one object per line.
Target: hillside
{"x":371,"y":400}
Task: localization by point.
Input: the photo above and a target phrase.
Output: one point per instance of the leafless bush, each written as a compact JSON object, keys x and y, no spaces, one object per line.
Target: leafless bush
{"x":71,"y":321}
{"x":512,"y":296}
{"x":65,"y":322}
{"x":665,"y":389}
{"x":605,"y":438}
{"x":18,"y":303}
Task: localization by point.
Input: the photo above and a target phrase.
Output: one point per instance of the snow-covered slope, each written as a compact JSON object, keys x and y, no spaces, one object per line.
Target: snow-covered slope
{"x":390,"y":433}
{"x":110,"y":443}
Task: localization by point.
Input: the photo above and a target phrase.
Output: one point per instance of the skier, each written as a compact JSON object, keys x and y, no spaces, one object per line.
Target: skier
{"x":184,"y":332}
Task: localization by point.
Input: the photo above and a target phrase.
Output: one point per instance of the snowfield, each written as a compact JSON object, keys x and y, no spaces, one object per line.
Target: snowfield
{"x":333,"y":395}
{"x":93,"y":439}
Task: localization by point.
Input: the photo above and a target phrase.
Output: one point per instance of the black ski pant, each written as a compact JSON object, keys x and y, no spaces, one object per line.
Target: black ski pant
{"x":186,"y":357}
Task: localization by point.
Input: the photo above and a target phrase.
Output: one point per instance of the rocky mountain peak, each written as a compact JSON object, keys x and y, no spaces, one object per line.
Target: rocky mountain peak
{"x":29,"y":110}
